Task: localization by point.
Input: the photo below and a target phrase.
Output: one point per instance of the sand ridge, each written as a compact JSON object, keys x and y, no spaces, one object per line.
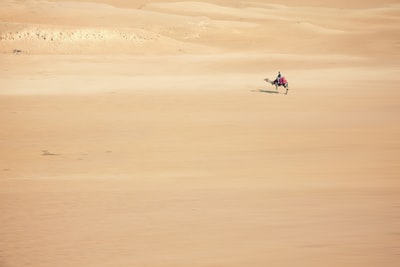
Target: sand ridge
{"x":202,"y":27}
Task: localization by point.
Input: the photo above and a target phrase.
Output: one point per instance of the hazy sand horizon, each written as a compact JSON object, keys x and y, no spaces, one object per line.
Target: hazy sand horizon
{"x":142,"y":133}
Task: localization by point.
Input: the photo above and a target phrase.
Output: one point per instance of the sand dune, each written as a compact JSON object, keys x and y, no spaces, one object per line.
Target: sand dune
{"x":201,"y":27}
{"x":47,"y":39}
{"x":142,"y":133}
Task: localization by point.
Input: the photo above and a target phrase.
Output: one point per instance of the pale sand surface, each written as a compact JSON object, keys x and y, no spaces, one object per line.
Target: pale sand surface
{"x":141,"y":133}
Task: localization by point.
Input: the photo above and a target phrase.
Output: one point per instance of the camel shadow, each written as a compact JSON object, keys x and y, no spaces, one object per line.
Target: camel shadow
{"x":266,"y":91}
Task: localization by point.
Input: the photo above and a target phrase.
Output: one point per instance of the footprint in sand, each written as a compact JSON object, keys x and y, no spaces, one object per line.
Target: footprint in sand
{"x":47,"y":153}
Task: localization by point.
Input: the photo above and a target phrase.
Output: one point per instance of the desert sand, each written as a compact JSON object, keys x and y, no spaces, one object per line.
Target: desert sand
{"x":142,"y":133}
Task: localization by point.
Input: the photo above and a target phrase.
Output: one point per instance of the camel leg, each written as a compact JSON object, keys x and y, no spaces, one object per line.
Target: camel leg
{"x":287,"y":89}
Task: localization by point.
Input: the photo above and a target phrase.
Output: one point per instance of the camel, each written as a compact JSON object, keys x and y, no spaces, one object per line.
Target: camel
{"x":282,"y":82}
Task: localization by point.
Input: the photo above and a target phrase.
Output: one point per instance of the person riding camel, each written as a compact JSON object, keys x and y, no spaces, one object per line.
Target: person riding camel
{"x":279,"y":81}
{"x":278,"y":78}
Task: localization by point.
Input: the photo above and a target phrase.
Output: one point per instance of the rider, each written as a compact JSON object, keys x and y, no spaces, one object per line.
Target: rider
{"x":278,"y":78}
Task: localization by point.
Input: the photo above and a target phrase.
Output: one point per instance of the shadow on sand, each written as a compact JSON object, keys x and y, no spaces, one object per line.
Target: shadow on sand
{"x":266,"y":91}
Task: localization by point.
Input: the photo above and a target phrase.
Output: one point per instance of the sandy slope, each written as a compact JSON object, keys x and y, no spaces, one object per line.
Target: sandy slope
{"x":141,"y":133}
{"x":201,"y":27}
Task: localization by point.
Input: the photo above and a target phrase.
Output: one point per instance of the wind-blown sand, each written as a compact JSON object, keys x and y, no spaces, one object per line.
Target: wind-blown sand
{"x":141,"y":133}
